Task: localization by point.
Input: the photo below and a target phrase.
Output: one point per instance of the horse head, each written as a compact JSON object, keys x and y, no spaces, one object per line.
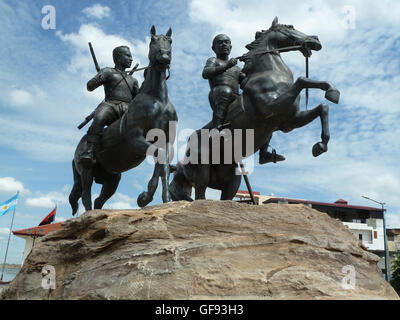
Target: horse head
{"x":279,"y":36}
{"x":160,"y":49}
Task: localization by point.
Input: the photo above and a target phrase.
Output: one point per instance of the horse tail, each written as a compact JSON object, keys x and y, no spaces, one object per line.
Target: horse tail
{"x":76,"y":191}
{"x":180,"y":188}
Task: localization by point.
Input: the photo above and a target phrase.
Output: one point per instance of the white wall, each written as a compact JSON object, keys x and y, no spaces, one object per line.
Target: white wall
{"x":28,"y":247}
{"x":367,"y":230}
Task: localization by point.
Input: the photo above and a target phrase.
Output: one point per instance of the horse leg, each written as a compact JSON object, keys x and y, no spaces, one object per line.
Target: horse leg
{"x":331,"y":93}
{"x":274,"y":107}
{"x":108,"y":189}
{"x":231,"y":187}
{"x":142,"y":146}
{"x":87,"y":181}
{"x":147,"y":196}
{"x":76,"y":191}
{"x":302,"y":118}
{"x":201,"y":181}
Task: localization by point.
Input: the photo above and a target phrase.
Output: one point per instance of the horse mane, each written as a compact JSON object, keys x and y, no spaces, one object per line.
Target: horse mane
{"x":258,"y":39}
{"x":259,"y":36}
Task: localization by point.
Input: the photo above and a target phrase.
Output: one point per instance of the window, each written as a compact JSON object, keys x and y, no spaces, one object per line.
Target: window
{"x":360,"y":236}
{"x":375,"y":235}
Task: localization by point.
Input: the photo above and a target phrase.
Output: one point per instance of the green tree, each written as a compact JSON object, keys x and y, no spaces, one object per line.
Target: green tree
{"x":395,"y":281}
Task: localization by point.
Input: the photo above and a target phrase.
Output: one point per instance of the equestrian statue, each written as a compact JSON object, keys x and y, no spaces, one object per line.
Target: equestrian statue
{"x":130,"y":114}
{"x":270,"y":101}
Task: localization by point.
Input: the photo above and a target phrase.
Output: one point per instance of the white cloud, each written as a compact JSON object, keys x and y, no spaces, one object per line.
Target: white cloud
{"x":9,"y":184}
{"x":393,"y":220}
{"x":20,"y":97}
{"x":48,"y":200}
{"x":97,"y":11}
{"x":4,"y":230}
{"x":59,"y":219}
{"x":103,"y":44}
{"x":42,"y":141}
{"x":121,"y":201}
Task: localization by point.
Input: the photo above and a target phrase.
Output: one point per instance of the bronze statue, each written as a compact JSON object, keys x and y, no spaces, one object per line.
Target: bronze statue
{"x":270,"y":101}
{"x":120,"y":89}
{"x":123,"y":144}
{"x":224,"y":77}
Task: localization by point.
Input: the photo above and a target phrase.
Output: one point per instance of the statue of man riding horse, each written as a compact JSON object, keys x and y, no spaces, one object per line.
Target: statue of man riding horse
{"x":224,"y":77}
{"x":270,"y":101}
{"x":129,"y":114}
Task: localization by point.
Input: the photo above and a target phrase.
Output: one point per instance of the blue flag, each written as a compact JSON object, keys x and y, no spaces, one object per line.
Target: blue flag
{"x":8,"y":205}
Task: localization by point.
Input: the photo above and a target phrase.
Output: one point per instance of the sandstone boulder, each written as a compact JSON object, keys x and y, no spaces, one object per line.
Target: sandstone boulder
{"x":202,"y":250}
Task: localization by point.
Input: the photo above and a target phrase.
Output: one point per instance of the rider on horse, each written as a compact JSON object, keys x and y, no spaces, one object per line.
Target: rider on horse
{"x":224,"y":77}
{"x":120,"y":89}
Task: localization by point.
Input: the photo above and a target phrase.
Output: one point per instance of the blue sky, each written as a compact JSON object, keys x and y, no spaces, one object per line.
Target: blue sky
{"x":43,"y":75}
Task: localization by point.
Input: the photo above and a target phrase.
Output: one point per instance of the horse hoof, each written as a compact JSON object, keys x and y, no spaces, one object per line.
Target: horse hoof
{"x":144,"y":199}
{"x":319,"y":148}
{"x":333,"y":95}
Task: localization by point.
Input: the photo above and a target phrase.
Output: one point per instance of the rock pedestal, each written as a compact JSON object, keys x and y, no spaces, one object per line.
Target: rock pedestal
{"x":202,"y":250}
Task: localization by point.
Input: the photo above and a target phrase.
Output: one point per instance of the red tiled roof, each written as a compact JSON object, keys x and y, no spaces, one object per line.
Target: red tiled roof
{"x":246,"y":192}
{"x":38,"y":231}
{"x":340,"y":203}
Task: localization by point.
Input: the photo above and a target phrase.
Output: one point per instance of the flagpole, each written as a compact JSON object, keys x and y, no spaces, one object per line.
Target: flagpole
{"x":8,"y":242}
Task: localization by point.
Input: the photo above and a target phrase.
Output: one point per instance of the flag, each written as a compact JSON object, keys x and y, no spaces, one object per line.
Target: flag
{"x":8,"y":205}
{"x":50,"y":217}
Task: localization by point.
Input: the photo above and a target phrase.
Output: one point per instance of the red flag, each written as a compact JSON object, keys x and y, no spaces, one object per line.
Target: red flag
{"x":50,"y":217}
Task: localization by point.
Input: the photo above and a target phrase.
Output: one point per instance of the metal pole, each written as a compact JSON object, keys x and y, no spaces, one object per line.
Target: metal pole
{"x":307,"y":75}
{"x":387,"y":267}
{"x":8,"y":242}
{"x":246,"y":179}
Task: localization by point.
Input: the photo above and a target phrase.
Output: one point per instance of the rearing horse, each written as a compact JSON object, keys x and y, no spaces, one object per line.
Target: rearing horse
{"x":123,"y":145}
{"x":271,"y":102}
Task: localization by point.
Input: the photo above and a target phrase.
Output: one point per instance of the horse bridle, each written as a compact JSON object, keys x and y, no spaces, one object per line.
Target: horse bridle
{"x":275,"y":51}
{"x":296,"y":42}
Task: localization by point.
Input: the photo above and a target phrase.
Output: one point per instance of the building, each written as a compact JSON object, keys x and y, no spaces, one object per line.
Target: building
{"x":366,"y":223}
{"x":30,"y":235}
{"x":244,"y":196}
{"x":393,"y":238}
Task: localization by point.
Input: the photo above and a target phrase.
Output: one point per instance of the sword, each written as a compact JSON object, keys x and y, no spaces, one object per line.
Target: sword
{"x":96,"y":65}
{"x":87,"y":119}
